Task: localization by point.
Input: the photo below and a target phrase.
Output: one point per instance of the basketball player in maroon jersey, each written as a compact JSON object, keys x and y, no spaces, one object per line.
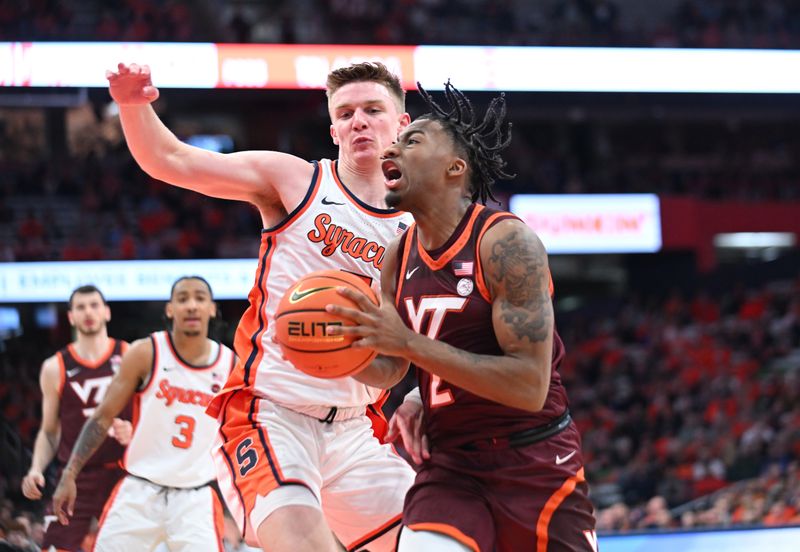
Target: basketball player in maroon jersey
{"x":73,"y":383}
{"x":467,"y":300}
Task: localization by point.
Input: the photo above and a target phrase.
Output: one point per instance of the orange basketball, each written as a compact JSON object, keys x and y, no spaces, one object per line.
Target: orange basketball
{"x":301,"y":324}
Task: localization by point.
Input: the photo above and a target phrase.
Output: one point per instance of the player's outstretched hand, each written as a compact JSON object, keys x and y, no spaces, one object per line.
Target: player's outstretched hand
{"x":406,"y":423}
{"x":32,"y":485}
{"x":131,"y":85}
{"x":64,"y":499}
{"x":122,"y":431}
{"x":378,"y":327}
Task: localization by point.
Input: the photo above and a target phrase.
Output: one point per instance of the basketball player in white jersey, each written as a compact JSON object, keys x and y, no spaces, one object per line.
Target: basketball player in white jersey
{"x":299,"y":465}
{"x":172,"y":376}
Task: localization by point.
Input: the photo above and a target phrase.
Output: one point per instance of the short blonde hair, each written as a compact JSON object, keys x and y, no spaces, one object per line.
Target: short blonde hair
{"x":368,"y":71}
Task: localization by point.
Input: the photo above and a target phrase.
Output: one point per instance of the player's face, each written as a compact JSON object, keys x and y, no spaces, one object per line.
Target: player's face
{"x":364,"y":121}
{"x":418,"y":164}
{"x":191,"y":307}
{"x":88,"y":314}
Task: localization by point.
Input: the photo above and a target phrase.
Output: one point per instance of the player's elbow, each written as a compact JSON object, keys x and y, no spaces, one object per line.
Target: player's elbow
{"x":532,"y":390}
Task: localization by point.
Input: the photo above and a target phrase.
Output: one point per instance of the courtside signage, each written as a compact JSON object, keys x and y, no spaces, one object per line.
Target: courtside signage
{"x":506,"y":68}
{"x":588,"y":223}
{"x":121,"y":280}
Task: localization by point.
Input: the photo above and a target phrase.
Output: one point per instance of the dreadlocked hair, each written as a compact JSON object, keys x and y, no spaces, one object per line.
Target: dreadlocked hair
{"x":482,"y":141}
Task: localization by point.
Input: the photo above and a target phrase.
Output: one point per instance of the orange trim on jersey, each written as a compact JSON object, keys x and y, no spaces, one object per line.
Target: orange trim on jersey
{"x":479,"y":279}
{"x":299,"y":210}
{"x":555,"y":500}
{"x":247,"y":341}
{"x":93,"y":364}
{"x":184,"y":363}
{"x":375,"y":212}
{"x":62,"y":372}
{"x":372,"y":535}
{"x":153,"y":367}
{"x":123,"y":347}
{"x":453,"y":250}
{"x":448,"y":530}
{"x":248,"y":455}
{"x":380,"y":425}
{"x":106,"y":509}
{"x":219,"y":518}
{"x":410,"y":237}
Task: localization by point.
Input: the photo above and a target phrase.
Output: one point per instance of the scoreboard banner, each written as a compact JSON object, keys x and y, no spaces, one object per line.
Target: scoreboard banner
{"x":121,"y":280}
{"x":480,"y":68}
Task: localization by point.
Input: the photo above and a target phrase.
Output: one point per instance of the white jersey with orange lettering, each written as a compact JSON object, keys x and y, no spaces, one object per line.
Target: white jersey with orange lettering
{"x":330,"y":229}
{"x":289,"y":439}
{"x":173,"y":436}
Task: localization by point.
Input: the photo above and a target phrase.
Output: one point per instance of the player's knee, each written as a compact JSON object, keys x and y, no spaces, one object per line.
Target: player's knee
{"x":414,"y":541}
{"x":296,"y":528}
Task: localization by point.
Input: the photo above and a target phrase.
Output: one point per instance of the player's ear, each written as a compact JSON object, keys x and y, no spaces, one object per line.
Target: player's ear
{"x":403,"y":120}
{"x":108,"y":313}
{"x":457,"y":167}
{"x":168,"y":312}
{"x":70,"y":318}
{"x":333,"y":135}
{"x":213,"y":309}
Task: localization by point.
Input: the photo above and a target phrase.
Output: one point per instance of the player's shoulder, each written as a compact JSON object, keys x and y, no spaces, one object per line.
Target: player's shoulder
{"x":142,"y":347}
{"x":508,"y":228}
{"x":51,"y":365}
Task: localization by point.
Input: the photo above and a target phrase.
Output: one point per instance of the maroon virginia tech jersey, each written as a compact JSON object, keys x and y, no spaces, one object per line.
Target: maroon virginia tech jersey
{"x":442,"y":294}
{"x":83,"y":386}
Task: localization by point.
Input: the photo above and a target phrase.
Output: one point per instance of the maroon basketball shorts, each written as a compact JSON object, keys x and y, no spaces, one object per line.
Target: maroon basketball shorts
{"x":505,"y":499}
{"x":94,"y":487}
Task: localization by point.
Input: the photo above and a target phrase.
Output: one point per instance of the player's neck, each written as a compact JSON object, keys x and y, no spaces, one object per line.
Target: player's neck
{"x":435,"y":225}
{"x":195,"y":349}
{"x":365,"y":180}
{"x":92,"y":347}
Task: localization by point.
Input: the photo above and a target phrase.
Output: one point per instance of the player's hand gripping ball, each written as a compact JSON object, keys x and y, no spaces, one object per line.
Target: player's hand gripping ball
{"x":301,"y":325}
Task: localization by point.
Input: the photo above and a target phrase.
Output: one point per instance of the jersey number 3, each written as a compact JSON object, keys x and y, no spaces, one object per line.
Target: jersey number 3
{"x":438,"y":307}
{"x":184,"y":438}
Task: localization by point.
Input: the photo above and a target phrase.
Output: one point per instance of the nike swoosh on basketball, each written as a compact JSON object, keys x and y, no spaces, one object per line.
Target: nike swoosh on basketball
{"x":560,"y":460}
{"x":72,"y":372}
{"x":325,"y":201}
{"x":298,"y":295}
{"x":410,"y":273}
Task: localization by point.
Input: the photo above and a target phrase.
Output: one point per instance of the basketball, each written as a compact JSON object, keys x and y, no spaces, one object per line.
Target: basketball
{"x":301,"y":325}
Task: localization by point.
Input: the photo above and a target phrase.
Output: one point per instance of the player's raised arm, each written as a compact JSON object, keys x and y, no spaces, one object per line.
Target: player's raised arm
{"x":133,"y":370}
{"x":262,"y":178}
{"x":49,"y":435}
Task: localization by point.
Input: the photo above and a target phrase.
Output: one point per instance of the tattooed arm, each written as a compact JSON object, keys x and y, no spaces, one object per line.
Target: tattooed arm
{"x":515,"y":266}
{"x":134,"y":369}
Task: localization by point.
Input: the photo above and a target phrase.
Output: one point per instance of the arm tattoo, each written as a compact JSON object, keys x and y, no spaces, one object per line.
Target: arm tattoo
{"x":92,"y":436}
{"x":518,"y":264}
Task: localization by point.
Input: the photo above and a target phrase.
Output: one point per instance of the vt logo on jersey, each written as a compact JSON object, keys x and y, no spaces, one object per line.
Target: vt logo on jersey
{"x":84,"y":390}
{"x":335,"y":237}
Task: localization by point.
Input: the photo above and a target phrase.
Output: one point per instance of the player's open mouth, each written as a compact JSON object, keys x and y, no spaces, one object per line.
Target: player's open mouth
{"x":391,"y":173}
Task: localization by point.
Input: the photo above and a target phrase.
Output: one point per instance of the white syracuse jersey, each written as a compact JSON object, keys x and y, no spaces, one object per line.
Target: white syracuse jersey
{"x":172,"y":435}
{"x":330,"y":229}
